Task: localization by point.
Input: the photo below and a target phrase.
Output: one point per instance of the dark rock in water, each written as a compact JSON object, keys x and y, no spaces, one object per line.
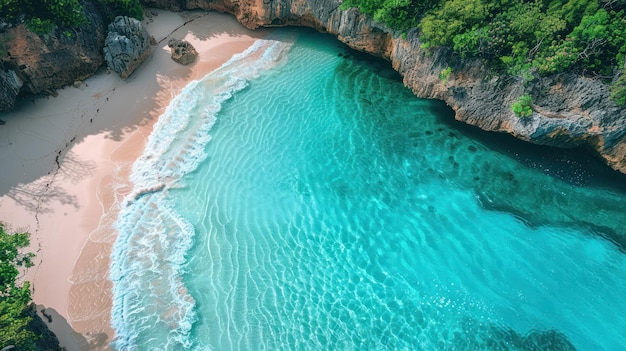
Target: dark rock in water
{"x":413,"y":134}
{"x":182,"y":51}
{"x":126,"y":46}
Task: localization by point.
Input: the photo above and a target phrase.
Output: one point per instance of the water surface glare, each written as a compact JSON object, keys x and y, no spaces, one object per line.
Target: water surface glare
{"x":301,"y":198}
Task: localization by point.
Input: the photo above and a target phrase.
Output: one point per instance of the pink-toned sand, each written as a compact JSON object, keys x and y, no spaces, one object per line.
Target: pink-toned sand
{"x":94,"y":132}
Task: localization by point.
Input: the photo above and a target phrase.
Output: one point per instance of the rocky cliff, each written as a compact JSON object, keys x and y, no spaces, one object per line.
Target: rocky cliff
{"x":569,"y":110}
{"x":40,"y":64}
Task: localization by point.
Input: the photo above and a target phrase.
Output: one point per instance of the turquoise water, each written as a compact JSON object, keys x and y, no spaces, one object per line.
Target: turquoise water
{"x":301,"y":198}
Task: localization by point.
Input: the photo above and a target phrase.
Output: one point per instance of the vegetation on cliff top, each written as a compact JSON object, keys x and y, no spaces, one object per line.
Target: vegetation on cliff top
{"x":15,"y":298}
{"x":519,"y":37}
{"x":42,"y":16}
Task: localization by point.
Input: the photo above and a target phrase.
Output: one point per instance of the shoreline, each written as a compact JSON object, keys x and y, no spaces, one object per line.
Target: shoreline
{"x":68,"y":198}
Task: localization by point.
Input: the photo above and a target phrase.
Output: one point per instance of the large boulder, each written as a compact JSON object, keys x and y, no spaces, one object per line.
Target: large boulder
{"x":182,"y":51}
{"x":126,"y":46}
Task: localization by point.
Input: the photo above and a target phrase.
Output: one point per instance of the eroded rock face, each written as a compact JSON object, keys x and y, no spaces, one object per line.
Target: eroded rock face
{"x":182,"y":51}
{"x":10,"y":85}
{"x":569,"y":110}
{"x":48,"y":62}
{"x":127,"y":45}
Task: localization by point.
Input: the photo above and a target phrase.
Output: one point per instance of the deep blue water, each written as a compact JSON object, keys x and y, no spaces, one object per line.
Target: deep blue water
{"x":310,"y":201}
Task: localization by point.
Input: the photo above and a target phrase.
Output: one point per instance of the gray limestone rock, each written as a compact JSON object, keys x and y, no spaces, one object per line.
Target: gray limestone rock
{"x":126,"y":46}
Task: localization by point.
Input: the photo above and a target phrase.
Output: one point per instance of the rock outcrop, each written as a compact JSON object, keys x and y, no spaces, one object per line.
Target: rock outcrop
{"x":127,"y":45}
{"x":10,"y":85}
{"x":569,"y":110}
{"x":45,"y":63}
{"x":182,"y":51}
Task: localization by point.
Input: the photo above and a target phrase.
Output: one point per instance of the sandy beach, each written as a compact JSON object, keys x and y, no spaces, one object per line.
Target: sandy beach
{"x":66,"y":161}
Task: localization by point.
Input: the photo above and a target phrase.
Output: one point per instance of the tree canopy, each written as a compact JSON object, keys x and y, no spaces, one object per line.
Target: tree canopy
{"x":44,"y":15}
{"x":14,"y":297}
{"x":519,"y":36}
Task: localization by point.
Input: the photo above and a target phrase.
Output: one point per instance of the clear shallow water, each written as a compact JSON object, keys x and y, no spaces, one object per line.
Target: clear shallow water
{"x":299,"y":199}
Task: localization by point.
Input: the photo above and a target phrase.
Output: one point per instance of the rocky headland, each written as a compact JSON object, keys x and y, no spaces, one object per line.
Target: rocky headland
{"x":568,"y":110}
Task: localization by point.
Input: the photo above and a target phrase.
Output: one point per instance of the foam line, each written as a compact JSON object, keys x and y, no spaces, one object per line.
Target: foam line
{"x":150,"y":300}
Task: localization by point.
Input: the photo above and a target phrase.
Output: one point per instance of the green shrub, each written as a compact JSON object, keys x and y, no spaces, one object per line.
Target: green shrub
{"x":454,"y":17}
{"x":396,"y":14}
{"x":14,"y":298}
{"x":39,"y":26}
{"x":522,"y":108}
{"x":43,"y":15}
{"x":618,"y":90}
{"x":444,"y":74}
{"x":68,"y":13}
{"x":131,"y":8}
{"x":518,"y":37}
{"x":10,"y":9}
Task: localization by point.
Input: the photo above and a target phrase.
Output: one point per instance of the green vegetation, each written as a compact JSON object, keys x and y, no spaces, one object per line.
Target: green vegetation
{"x":520,"y":37}
{"x":130,"y":8}
{"x":618,"y":89}
{"x":42,"y":16}
{"x":60,"y":12}
{"x":444,"y":74}
{"x":397,"y":14}
{"x":522,"y":108}
{"x":14,"y":298}
{"x":39,"y":26}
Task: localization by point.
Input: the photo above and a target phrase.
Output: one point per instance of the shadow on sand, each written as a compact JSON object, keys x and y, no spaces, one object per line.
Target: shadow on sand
{"x":68,"y":338}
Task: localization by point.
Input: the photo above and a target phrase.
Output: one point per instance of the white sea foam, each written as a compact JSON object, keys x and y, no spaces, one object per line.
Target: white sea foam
{"x":151,"y":306}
